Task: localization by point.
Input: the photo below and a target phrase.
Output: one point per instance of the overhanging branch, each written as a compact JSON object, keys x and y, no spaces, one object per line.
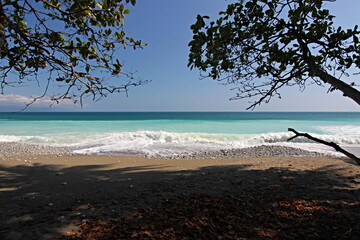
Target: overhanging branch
{"x":331,"y":144}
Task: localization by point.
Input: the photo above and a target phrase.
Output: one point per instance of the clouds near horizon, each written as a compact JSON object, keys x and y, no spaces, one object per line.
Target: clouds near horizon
{"x":16,"y":102}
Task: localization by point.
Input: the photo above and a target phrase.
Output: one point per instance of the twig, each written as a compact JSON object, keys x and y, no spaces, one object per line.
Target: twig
{"x":331,"y":144}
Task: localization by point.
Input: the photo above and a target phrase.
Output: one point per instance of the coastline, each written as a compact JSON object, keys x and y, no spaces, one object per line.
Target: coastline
{"x":48,"y":192}
{"x":160,"y":134}
{"x":26,"y":152}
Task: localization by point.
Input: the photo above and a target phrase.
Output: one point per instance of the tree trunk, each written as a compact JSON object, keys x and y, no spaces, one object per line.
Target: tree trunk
{"x":346,"y":89}
{"x":314,"y":69}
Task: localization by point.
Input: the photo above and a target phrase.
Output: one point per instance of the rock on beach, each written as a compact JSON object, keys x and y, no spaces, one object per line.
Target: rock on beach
{"x":251,"y":152}
{"x":12,"y":149}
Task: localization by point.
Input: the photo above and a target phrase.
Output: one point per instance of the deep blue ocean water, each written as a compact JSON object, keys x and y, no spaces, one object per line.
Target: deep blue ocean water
{"x":174,"y":132}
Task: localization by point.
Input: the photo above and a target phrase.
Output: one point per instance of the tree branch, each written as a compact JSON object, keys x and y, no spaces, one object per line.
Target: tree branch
{"x":2,"y":26}
{"x":331,"y":144}
{"x":314,"y":69}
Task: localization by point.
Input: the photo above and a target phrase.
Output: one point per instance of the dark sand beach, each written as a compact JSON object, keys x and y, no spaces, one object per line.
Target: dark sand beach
{"x":53,"y":196}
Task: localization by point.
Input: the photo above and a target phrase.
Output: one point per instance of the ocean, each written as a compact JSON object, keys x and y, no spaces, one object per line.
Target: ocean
{"x":168,"y":133}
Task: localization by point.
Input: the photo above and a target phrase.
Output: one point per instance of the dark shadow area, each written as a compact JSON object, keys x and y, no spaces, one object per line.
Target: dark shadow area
{"x":226,"y":202}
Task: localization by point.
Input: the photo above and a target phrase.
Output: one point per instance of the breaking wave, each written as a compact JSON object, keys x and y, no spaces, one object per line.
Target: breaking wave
{"x":152,"y":143}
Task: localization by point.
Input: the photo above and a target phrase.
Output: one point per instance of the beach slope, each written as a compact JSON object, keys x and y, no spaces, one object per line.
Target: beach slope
{"x":50,"y":196}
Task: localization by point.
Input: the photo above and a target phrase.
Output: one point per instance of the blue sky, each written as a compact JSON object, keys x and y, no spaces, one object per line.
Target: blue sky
{"x":165,"y":26}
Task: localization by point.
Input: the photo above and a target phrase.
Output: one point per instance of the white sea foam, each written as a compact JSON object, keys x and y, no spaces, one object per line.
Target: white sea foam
{"x":21,"y":139}
{"x":166,"y":143}
{"x":345,"y":130}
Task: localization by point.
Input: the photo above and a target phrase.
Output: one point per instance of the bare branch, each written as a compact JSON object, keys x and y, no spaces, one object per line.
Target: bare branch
{"x":331,"y":144}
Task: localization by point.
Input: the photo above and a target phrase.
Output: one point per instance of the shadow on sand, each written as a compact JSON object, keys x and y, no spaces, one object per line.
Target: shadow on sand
{"x":44,"y":201}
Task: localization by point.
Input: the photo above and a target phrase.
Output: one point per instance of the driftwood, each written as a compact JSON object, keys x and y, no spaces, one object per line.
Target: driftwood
{"x":331,"y":144}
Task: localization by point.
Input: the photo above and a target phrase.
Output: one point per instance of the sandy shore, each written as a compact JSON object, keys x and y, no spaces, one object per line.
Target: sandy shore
{"x":44,"y":196}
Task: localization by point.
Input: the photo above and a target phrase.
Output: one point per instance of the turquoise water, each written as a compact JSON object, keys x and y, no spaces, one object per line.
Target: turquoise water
{"x":175,"y":132}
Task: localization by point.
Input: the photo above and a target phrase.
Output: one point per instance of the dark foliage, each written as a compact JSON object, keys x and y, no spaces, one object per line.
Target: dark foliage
{"x":72,"y":44}
{"x":262,"y":46}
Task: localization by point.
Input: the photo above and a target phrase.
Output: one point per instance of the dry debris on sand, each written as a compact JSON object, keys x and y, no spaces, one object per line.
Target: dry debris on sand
{"x":102,"y":197}
{"x":253,"y":216}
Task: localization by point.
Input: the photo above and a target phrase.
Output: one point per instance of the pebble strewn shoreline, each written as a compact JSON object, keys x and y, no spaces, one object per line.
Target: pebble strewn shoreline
{"x":252,"y":152}
{"x":29,"y":151}
{"x":11,"y":149}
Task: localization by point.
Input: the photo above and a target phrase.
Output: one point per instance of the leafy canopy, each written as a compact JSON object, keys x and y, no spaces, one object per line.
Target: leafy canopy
{"x":264,"y":45}
{"x":74,"y":43}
